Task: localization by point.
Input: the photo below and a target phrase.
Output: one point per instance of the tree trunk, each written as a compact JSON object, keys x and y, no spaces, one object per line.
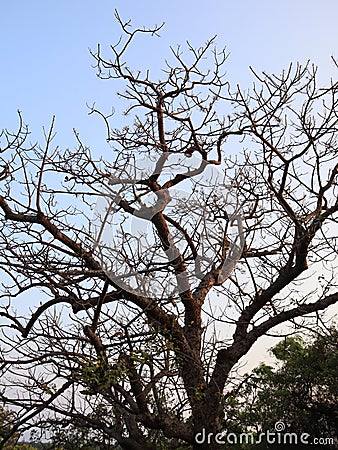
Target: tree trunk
{"x":207,"y":426}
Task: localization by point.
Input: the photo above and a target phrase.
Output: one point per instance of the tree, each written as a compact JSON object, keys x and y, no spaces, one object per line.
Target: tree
{"x":302,"y":391}
{"x":69,"y":437}
{"x":213,"y":204}
{"x":7,"y":419}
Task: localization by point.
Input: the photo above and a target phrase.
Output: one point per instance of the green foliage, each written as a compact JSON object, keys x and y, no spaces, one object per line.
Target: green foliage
{"x":6,"y":418}
{"x":98,"y":374}
{"x":72,"y":434}
{"x":290,"y":349}
{"x":302,"y":391}
{"x":22,"y":446}
{"x":73,"y":437}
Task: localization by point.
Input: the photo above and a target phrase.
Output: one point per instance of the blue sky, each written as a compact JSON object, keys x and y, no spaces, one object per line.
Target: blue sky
{"x":46,"y":66}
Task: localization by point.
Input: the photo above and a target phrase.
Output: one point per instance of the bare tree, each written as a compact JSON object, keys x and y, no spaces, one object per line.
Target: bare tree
{"x":157,"y":268}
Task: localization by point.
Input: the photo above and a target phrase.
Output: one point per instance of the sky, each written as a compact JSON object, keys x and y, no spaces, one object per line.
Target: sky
{"x":46,"y":67}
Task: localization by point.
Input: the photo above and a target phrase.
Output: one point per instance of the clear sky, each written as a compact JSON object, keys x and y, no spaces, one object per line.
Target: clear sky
{"x":46,"y":66}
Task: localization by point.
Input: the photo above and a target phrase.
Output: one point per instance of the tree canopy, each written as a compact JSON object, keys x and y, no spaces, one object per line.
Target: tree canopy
{"x":301,"y":391}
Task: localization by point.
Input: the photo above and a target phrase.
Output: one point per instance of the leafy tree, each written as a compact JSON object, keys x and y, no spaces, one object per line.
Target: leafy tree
{"x":63,"y":436}
{"x":302,"y":391}
{"x":7,"y":420}
{"x":213,"y":203}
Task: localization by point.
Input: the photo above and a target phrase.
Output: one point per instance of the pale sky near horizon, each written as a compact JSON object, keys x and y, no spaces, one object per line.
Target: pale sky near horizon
{"x":46,"y":66}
